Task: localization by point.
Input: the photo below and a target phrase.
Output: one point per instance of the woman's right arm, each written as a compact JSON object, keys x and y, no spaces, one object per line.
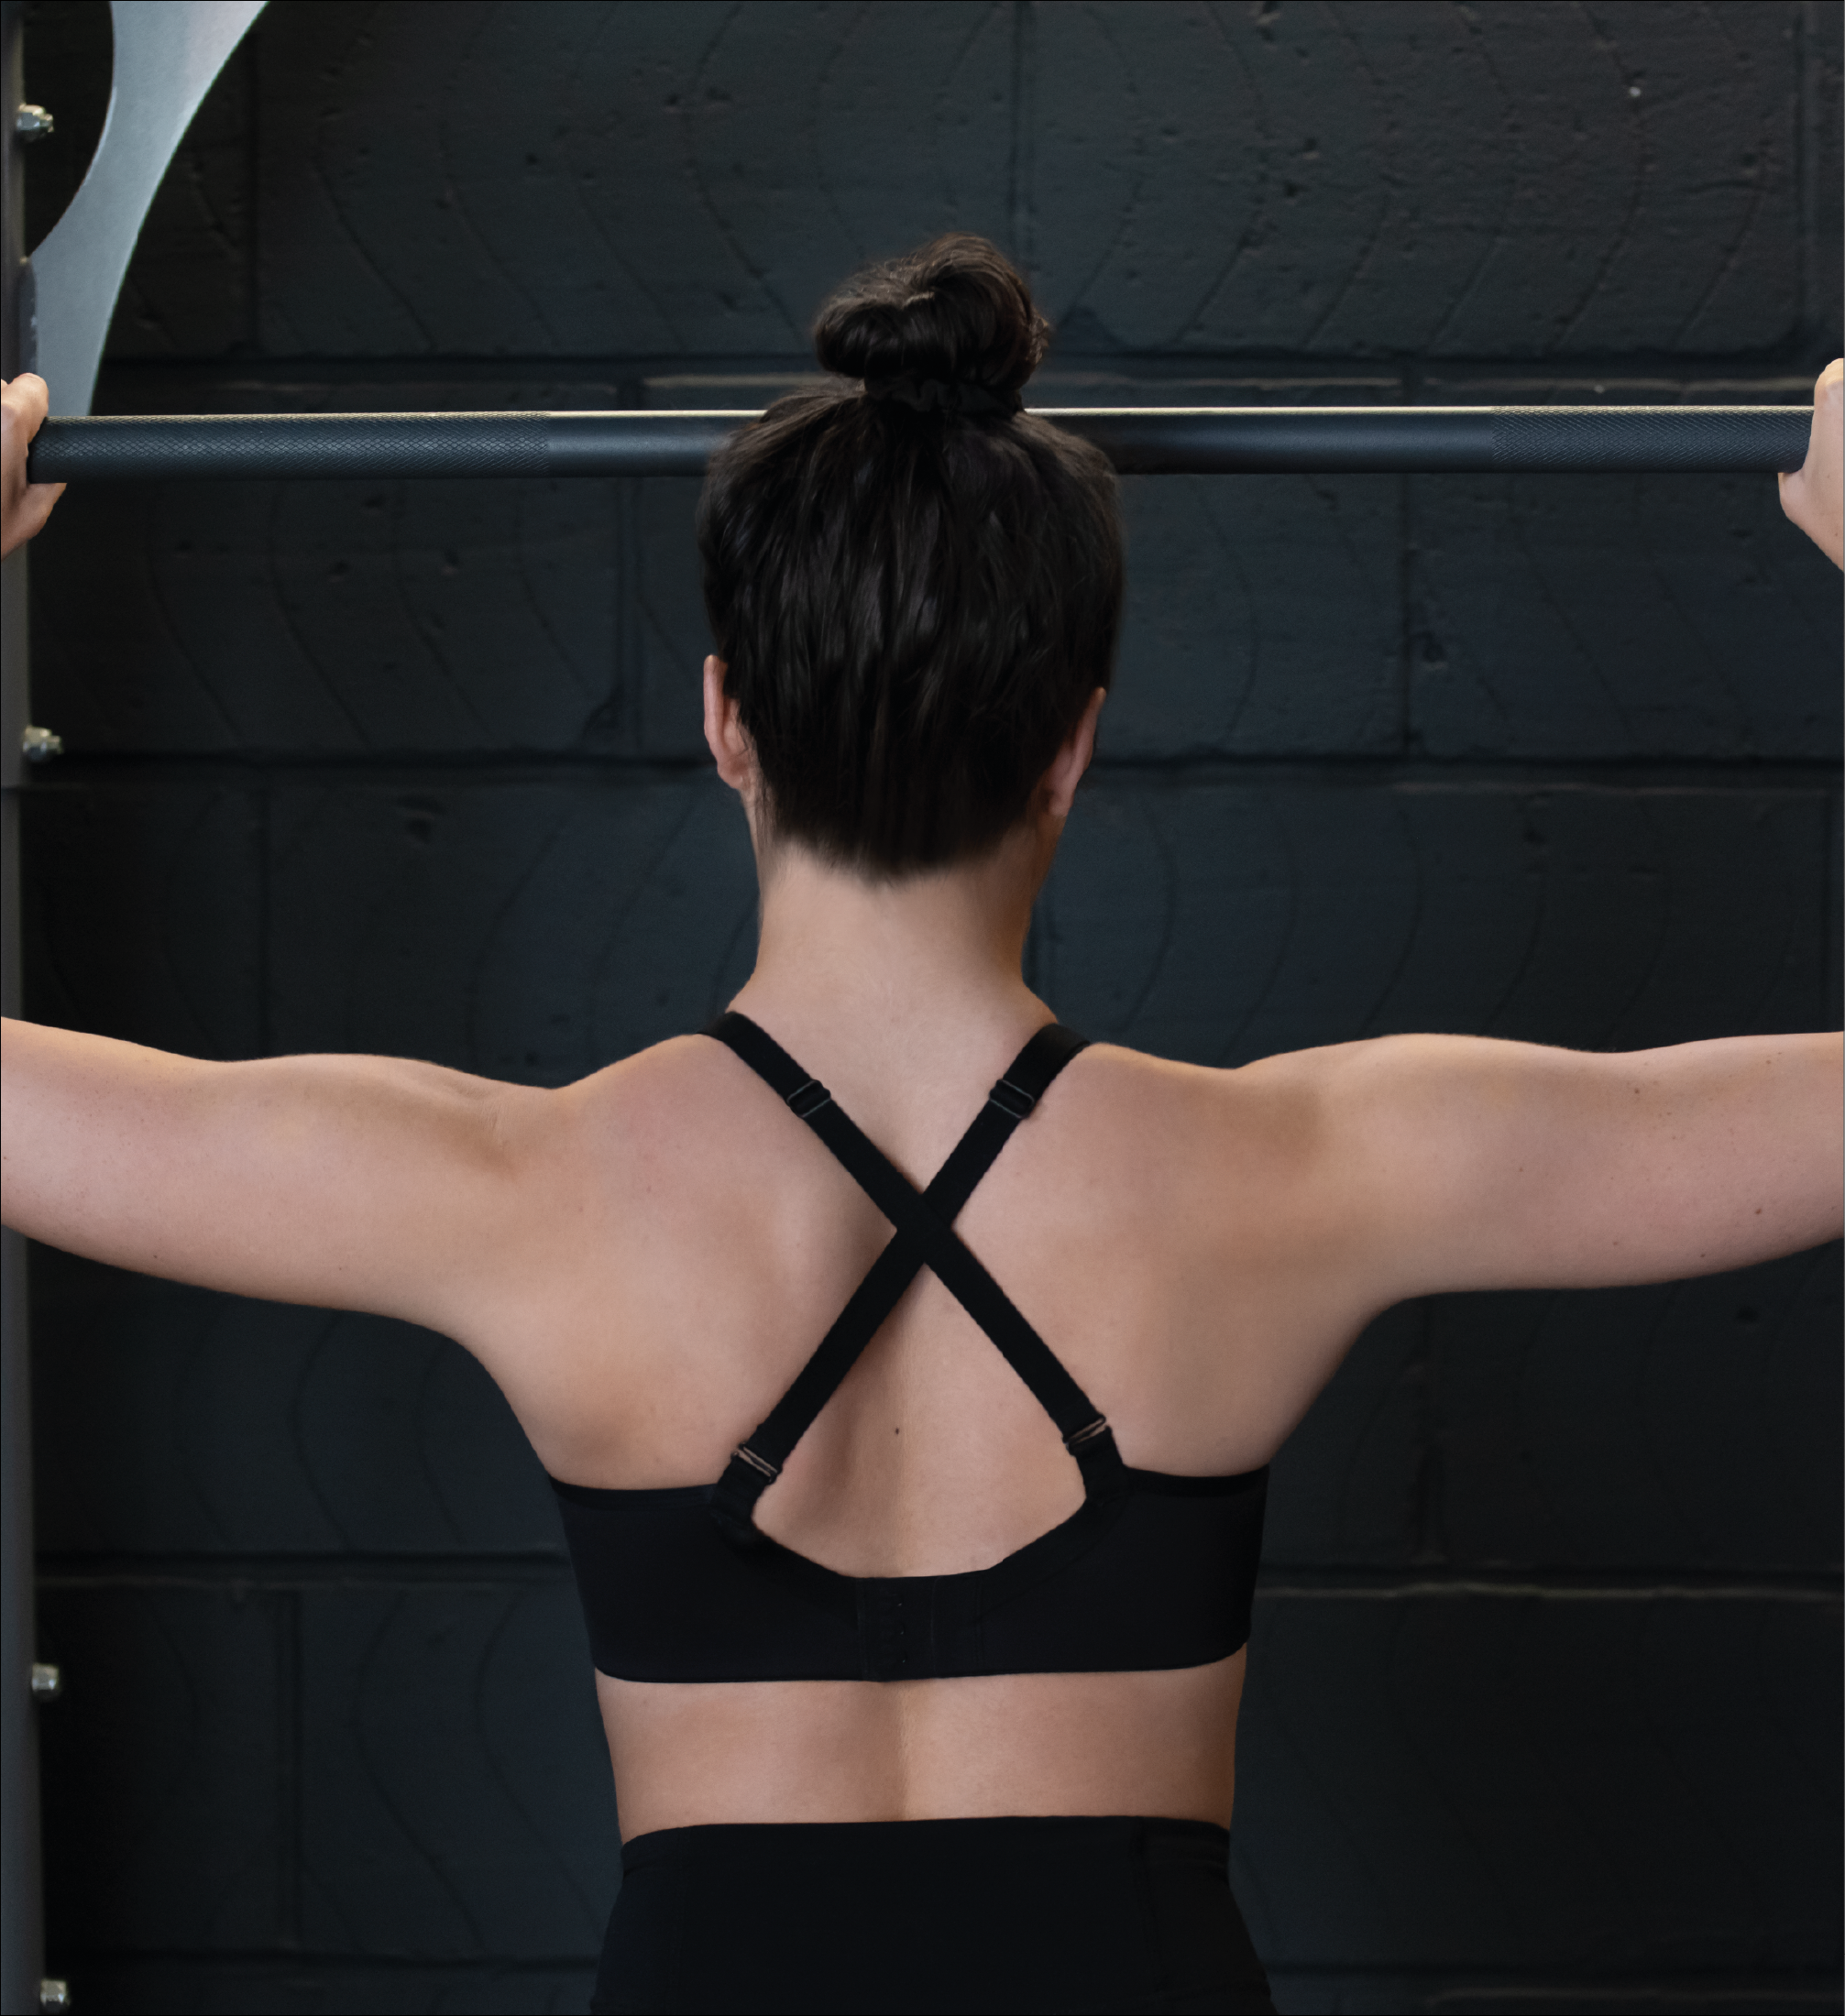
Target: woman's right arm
{"x":347,"y":1182}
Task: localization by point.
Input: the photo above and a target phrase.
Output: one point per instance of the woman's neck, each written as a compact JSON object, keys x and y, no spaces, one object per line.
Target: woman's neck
{"x":936,"y":951}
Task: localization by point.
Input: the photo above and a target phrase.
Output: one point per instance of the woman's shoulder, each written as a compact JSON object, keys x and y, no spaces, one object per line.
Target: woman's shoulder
{"x":1280,"y":1090}
{"x":679,"y":1088}
{"x":688,"y":1101}
{"x":1172,"y":1130}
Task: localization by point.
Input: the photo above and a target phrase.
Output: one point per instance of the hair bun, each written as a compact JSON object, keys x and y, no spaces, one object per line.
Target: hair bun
{"x":956,"y":310}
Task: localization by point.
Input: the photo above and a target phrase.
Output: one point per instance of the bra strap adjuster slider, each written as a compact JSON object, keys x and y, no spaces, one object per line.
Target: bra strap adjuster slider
{"x":1012,"y":1098}
{"x":806,"y":1100}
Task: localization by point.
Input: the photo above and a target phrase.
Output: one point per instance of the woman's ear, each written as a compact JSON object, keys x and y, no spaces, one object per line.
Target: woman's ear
{"x":724,"y":734}
{"x":1070,"y":762}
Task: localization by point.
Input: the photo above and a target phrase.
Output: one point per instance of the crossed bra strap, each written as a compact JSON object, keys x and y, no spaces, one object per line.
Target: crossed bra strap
{"x":923,"y":1234}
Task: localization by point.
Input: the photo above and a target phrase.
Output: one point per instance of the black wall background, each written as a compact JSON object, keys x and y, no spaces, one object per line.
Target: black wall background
{"x":1544,"y":1705}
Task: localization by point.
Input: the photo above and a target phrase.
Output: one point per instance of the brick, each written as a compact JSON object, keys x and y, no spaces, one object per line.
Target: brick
{"x":1416,"y":180}
{"x":332,"y":618}
{"x":141,"y":913}
{"x":1262,"y":618}
{"x":672,"y":637}
{"x":557,"y":179}
{"x":1346,"y":1486}
{"x":1693,"y":1423}
{"x":531,"y":931}
{"x":1598,"y":1781}
{"x":460,"y":1802}
{"x":1687,"y":1427}
{"x":1597,"y":616}
{"x":164,"y":1763}
{"x":241,"y":1427}
{"x":1412,"y":179}
{"x":1220,"y":921}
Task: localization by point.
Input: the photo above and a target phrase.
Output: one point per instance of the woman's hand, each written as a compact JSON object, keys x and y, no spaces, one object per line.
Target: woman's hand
{"x":1813,"y":496}
{"x":24,"y":506}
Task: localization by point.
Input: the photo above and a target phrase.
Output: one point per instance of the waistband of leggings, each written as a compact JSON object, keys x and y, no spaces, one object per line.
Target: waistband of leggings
{"x":1082,"y":1833}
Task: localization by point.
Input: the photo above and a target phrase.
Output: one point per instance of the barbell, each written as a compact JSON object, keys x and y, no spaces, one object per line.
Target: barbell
{"x":1149,"y":441}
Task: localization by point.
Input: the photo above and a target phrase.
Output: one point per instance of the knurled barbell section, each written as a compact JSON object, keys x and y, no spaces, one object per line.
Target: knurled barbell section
{"x":1651,"y":438}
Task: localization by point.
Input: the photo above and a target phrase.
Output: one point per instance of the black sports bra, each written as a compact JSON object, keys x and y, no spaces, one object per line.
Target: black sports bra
{"x":1149,"y":1572}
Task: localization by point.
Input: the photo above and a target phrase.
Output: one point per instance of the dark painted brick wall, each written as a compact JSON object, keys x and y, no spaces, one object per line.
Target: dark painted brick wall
{"x":1544,"y":1709}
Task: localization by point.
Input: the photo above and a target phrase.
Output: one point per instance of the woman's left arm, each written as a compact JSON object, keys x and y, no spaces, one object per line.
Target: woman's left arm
{"x":1469,"y":1162}
{"x":1459,"y":1162}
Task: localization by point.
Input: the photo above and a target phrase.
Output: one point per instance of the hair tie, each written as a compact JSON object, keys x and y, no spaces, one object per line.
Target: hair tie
{"x":943,"y":395}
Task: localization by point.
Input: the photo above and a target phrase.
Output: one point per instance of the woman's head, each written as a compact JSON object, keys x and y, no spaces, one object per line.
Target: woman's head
{"x":914,"y":588}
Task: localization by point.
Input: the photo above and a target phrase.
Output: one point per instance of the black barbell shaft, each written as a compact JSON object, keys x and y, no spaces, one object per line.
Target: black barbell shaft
{"x":1150,"y":440}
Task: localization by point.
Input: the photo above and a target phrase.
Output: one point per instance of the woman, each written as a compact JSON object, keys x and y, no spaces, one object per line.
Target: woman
{"x":920,"y":1667}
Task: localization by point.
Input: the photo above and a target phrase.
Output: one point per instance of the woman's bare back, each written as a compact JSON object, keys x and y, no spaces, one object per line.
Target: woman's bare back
{"x":1156,"y":1244}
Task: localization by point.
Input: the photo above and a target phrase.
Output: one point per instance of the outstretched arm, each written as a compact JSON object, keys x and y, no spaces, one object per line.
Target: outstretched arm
{"x":347,"y":1182}
{"x":1466,"y":1162}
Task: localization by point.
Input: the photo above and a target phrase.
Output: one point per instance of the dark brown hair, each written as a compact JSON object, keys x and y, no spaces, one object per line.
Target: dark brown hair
{"x":915,"y":601}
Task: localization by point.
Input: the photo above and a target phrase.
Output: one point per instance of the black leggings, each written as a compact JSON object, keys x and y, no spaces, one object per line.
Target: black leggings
{"x":985,"y":1916}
